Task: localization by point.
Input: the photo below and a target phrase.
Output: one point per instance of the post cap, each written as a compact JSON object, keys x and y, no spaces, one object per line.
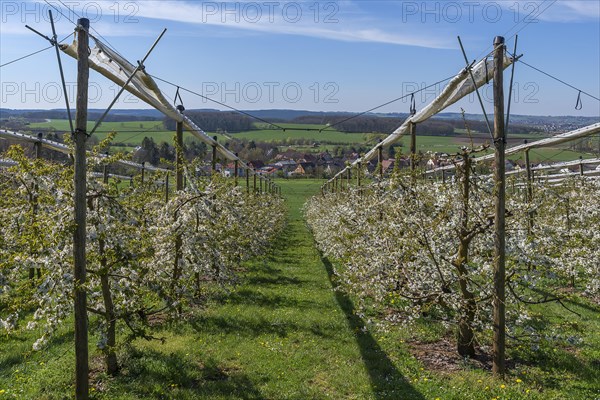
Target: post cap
{"x":84,"y":23}
{"x":498,"y":40}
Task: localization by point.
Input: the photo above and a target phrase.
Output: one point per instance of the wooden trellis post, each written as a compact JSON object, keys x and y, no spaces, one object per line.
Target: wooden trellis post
{"x":167,"y":187}
{"x":247,"y":180}
{"x":529,"y":188}
{"x":105,"y":172}
{"x":179,"y":152}
{"x":236,"y":165}
{"x":214,"y":156}
{"x":499,"y":341}
{"x":348,"y":177}
{"x":413,"y":146}
{"x":38,"y":146}
{"x":380,"y":159}
{"x":79,"y":238}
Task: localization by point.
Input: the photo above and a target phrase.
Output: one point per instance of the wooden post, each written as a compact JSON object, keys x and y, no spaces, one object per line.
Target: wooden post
{"x":348,"y":177}
{"x":380,"y":159}
{"x":214,"y":156}
{"x":236,"y":165}
{"x":79,"y":238}
{"x":247,"y":180}
{"x":167,"y":187}
{"x":581,"y":165}
{"x":38,"y":146}
{"x":260,"y":182}
{"x":105,"y":172}
{"x":358,"y":173}
{"x":179,"y":185}
{"x":529,"y":176}
{"x":179,"y":152}
{"x":499,"y":342}
{"x":443,"y":176}
{"x":529,"y":189}
{"x":143,"y":170}
{"x":254,"y":180}
{"x":413,"y":146}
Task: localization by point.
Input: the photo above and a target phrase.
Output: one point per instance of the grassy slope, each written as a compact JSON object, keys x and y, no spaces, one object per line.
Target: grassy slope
{"x":284,"y":334}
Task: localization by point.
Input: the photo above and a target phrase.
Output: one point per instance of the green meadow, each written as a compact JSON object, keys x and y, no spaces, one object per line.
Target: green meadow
{"x":132,"y":133}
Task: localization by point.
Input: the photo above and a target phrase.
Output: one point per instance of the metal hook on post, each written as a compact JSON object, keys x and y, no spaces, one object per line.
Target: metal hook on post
{"x":578,"y":103}
{"x":178,"y":96}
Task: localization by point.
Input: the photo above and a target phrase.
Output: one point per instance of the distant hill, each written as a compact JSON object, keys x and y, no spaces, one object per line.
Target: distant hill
{"x":546,"y":123}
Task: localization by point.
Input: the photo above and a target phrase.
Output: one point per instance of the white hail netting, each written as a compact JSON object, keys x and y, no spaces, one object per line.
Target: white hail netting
{"x":116,"y":68}
{"x":460,"y":86}
{"x":558,"y":165}
{"x":554,"y":140}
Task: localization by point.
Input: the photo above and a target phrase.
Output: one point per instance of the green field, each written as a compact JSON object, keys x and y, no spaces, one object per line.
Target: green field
{"x":297,"y":131}
{"x":132,"y":133}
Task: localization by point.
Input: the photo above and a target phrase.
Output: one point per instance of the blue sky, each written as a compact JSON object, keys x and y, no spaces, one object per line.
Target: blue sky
{"x":317,"y":55}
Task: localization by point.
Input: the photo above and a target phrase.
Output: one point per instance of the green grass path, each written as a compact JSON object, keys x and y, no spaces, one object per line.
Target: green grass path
{"x":282,"y":334}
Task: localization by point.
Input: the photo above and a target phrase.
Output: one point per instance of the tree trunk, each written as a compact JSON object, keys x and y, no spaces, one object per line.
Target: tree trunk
{"x":111,"y":327}
{"x":466,"y":336}
{"x":109,"y":314}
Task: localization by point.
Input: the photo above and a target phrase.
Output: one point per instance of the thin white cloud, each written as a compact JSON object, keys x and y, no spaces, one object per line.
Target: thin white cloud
{"x":561,"y":11}
{"x":329,"y":23}
{"x":341,"y":21}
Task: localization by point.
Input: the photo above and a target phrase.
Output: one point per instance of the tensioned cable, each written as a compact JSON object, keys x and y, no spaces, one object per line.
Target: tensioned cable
{"x":34,"y":53}
{"x":137,"y":133}
{"x":487,"y":121}
{"x":533,"y":18}
{"x":28,"y":55}
{"x":510,"y":86}
{"x":300,"y":129}
{"x":60,"y":11}
{"x":546,"y":158}
{"x":217,"y":102}
{"x":385,"y":104}
{"x":62,"y":75}
{"x":559,"y":80}
{"x":92,"y":28}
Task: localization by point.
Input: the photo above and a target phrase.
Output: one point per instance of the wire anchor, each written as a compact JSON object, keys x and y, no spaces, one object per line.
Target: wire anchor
{"x":179,"y":106}
{"x":413,"y":107}
{"x":578,"y":103}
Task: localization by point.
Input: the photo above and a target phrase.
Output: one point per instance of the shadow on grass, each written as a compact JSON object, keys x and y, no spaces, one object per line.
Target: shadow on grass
{"x":568,"y":300}
{"x":155,"y":375}
{"x":269,"y":300}
{"x":386,"y":381}
{"x":250,"y":326}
